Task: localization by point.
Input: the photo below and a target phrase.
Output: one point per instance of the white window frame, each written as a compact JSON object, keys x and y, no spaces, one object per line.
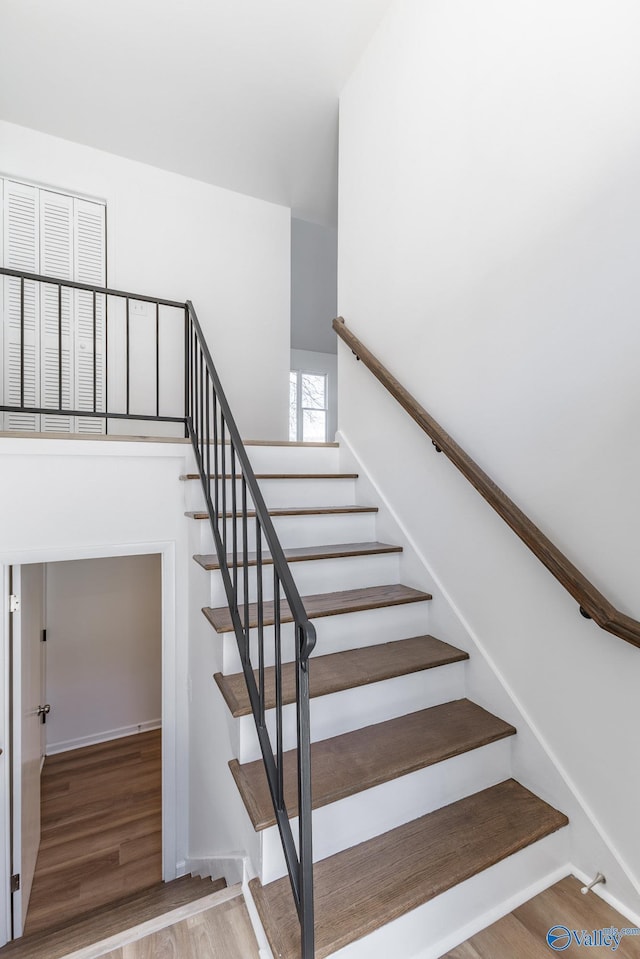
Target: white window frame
{"x":300,"y":408}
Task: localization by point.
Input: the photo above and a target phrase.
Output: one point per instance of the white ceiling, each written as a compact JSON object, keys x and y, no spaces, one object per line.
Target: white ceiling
{"x":240,"y":93}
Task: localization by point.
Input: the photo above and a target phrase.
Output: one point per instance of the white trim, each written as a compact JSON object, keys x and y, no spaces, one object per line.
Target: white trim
{"x":230,"y":867}
{"x":54,"y":749}
{"x":544,"y":744}
{"x":170,"y":687}
{"x":5,"y":759}
{"x":492,"y":915}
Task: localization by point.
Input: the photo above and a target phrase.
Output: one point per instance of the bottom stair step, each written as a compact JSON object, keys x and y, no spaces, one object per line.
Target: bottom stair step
{"x":363,"y":888}
{"x":110,"y":919}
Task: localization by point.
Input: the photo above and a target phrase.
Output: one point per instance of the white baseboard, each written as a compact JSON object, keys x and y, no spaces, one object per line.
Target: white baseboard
{"x":229,"y":867}
{"x":103,"y":737}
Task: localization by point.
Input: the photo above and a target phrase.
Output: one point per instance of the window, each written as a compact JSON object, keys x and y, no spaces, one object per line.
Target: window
{"x":307,"y":407}
{"x":54,"y":234}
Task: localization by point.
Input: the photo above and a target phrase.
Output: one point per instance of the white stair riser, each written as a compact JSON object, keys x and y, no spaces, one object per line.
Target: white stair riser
{"x":317,"y":576}
{"x":439,"y":925}
{"x":335,"y":633}
{"x":294,"y":459}
{"x":279,"y":492}
{"x":364,"y":815}
{"x":352,"y":709}
{"x":318,"y":529}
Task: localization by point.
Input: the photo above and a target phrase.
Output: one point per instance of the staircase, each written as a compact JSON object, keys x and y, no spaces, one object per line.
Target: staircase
{"x":418,"y":827}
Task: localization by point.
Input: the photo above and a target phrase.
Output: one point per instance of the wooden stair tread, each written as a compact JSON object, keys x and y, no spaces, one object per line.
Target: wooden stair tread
{"x":362,"y":888}
{"x":322,"y":604}
{"x":279,"y":476}
{"x":347,"y":669}
{"x":110,"y":919}
{"x":301,"y":554}
{"x":358,"y":760}
{"x":291,"y":511}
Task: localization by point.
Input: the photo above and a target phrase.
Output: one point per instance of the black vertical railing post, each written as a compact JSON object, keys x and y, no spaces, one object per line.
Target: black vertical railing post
{"x":106,"y":366}
{"x":157,"y":358}
{"x":215,"y":457}
{"x":127,"y":353}
{"x":234,"y":531}
{"x":60,"y":346}
{"x":207,"y":463}
{"x":223,"y":470}
{"x":95,"y":357}
{"x":260,"y":605}
{"x":278,"y":679}
{"x":187,"y":379}
{"x":245,"y":560}
{"x":304,"y":797}
{"x":22,"y":341}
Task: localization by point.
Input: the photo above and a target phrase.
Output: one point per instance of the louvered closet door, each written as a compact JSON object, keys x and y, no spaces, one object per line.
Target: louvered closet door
{"x":56,"y":334}
{"x":89,"y":323}
{"x":21,"y":229}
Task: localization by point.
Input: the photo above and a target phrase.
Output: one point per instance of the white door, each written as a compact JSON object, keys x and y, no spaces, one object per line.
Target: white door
{"x":27,"y":682}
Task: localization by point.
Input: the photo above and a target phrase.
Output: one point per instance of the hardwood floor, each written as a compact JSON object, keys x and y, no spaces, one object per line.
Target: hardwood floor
{"x":523,"y":933}
{"x":224,"y":932}
{"x":101,"y":828}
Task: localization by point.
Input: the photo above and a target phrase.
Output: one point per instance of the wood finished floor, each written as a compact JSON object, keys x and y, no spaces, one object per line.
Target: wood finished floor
{"x":522,"y":934}
{"x":224,"y":932}
{"x":101,"y":828}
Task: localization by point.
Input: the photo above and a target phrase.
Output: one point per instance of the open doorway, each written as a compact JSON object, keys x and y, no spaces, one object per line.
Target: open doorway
{"x":100,"y":708}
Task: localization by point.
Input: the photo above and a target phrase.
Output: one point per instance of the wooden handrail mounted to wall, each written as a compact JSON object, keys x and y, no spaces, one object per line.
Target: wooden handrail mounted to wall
{"x":591,"y":601}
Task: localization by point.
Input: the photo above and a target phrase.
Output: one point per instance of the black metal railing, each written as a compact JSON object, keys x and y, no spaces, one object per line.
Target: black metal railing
{"x":47,"y":310}
{"x":229,"y":483}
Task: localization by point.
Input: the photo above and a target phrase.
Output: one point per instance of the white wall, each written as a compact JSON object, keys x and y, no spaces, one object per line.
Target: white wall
{"x":66,"y":500}
{"x":104,"y":649}
{"x":489,"y":232}
{"x":314,"y":284}
{"x":178,"y":238}
{"x":309,"y":361}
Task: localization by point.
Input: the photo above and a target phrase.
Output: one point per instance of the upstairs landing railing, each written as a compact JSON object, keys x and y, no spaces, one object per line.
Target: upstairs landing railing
{"x":592,"y":603}
{"x":156,"y":349}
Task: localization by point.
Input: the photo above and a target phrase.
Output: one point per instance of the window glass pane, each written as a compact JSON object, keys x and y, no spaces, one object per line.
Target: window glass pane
{"x":314,"y":426}
{"x":313,"y":391}
{"x":293,"y":406}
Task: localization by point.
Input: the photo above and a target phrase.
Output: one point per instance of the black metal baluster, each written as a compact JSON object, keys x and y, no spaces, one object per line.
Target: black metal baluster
{"x":201,"y":405}
{"x":215,"y":454}
{"x":157,"y":358}
{"x":245,"y":560}
{"x":59,"y":346}
{"x":95,"y":358}
{"x":22,"y":342}
{"x":187,"y":377}
{"x":234,"y":533}
{"x":278,"y":678}
{"x":223,"y":452}
{"x":260,"y":605}
{"x":207,"y":464}
{"x":127,"y":351}
{"x":304,"y":798}
{"x":106,"y":361}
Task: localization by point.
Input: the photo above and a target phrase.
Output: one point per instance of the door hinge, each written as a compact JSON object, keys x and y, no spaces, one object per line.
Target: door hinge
{"x":14,"y":603}
{"x":15,"y":882}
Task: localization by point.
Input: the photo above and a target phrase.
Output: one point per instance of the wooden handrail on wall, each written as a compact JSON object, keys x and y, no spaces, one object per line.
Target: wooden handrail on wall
{"x":591,"y":601}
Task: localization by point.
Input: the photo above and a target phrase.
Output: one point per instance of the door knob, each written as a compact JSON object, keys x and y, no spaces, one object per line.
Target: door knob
{"x":43,"y":712}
